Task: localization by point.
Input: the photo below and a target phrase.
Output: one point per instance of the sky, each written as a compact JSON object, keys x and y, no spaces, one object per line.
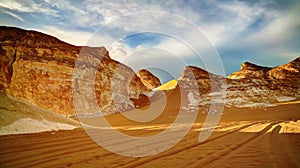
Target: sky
{"x":165,"y":36}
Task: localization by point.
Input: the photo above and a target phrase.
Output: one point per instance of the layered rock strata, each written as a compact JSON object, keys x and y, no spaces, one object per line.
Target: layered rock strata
{"x":38,"y":68}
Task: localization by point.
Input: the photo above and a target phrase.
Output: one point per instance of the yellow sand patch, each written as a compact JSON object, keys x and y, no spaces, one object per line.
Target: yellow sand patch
{"x":168,"y":86}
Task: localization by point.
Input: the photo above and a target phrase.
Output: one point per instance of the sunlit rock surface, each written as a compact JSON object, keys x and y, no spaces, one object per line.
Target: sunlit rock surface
{"x":39,"y":68}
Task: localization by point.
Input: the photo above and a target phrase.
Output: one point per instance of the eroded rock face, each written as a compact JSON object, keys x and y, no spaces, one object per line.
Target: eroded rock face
{"x":193,"y":76}
{"x":195,"y":85}
{"x":148,"y":79}
{"x":39,"y":69}
{"x":264,"y":85}
{"x":248,"y":71}
{"x":289,"y":73}
{"x":252,"y":86}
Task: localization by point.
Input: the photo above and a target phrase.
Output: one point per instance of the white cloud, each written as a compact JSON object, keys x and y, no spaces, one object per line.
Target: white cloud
{"x":76,"y":15}
{"x":13,"y":5}
{"x":181,"y":46}
{"x":234,"y":18}
{"x":119,"y":52}
{"x":14,"y":15}
{"x":184,"y":41}
{"x":176,"y":47}
{"x":226,"y":24}
{"x":169,"y":52}
{"x":79,"y":38}
{"x":277,"y":40}
{"x":26,"y":6}
{"x":155,"y":58}
{"x":280,"y":30}
{"x":110,"y":10}
{"x":72,"y":37}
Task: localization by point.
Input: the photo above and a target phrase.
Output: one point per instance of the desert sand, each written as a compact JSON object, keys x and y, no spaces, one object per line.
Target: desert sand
{"x":245,"y":137}
{"x":260,"y":125}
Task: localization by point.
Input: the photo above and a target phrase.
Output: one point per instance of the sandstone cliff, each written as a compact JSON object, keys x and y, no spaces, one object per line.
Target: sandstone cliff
{"x":148,"y":79}
{"x":39,"y":69}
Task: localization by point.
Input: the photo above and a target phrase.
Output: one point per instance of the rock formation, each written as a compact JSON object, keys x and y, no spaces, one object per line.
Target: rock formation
{"x":47,"y":72}
{"x":202,"y":78}
{"x":148,"y":79}
{"x":195,"y":84}
{"x":39,"y":69}
{"x":249,"y":71}
{"x":287,"y":74}
{"x":264,"y":85}
{"x":253,"y":85}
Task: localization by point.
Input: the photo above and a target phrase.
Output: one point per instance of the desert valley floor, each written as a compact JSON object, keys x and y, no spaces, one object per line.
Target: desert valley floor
{"x":47,"y":85}
{"x":245,"y":137}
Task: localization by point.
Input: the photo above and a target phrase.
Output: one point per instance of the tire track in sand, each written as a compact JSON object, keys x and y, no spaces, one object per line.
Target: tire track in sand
{"x":186,"y":147}
{"x":44,"y":154}
{"x":219,"y":157}
{"x":196,"y":151}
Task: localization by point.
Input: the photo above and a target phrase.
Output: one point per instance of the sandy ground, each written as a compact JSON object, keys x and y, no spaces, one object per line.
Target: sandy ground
{"x":245,"y":137}
{"x":29,"y":125}
{"x":17,"y":116}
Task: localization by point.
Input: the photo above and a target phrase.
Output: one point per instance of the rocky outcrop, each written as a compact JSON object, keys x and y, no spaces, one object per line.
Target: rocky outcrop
{"x":148,"y":79}
{"x":249,"y":71}
{"x":193,"y":76}
{"x":288,"y":74}
{"x":253,"y":85}
{"x":195,"y":85}
{"x":264,"y":85}
{"x":39,"y":69}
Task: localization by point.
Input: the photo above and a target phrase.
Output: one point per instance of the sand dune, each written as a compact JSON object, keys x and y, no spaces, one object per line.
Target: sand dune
{"x":19,"y":117}
{"x":269,"y":137}
{"x":29,"y":125}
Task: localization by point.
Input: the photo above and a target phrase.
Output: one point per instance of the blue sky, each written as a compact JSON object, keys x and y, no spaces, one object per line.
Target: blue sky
{"x":264,"y":32}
